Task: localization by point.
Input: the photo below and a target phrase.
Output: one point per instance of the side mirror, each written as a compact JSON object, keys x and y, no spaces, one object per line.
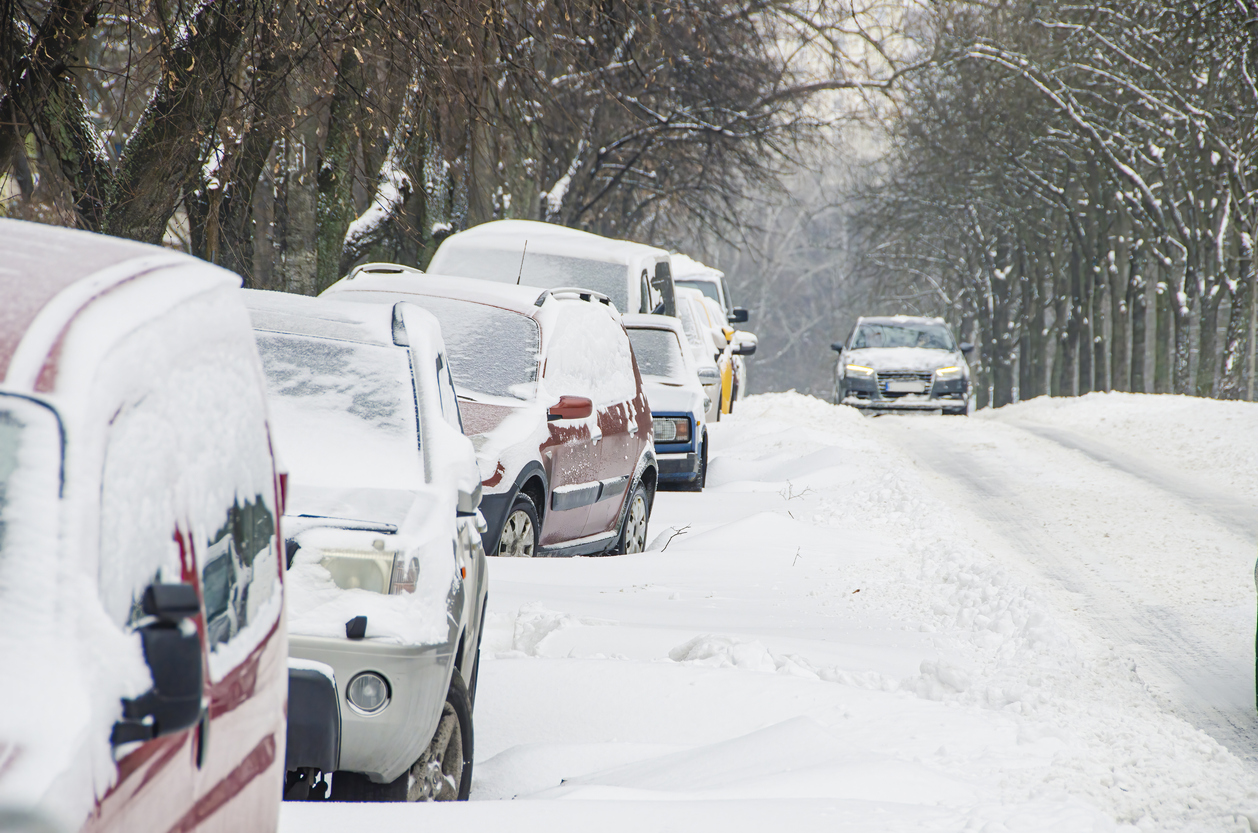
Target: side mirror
{"x":709,"y":376}
{"x":172,"y":649}
{"x":745,"y":349}
{"x":966,"y":347}
{"x":570,"y":407}
{"x":738,"y":316}
{"x":837,"y":346}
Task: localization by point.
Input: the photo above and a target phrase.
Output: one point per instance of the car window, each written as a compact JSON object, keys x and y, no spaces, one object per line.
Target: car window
{"x":344,"y":413}
{"x":547,"y":271}
{"x":30,"y":467}
{"x":588,"y":354}
{"x":239,"y":571}
{"x":924,"y":335}
{"x":658,"y":353}
{"x":706,"y":287}
{"x":491,"y":350}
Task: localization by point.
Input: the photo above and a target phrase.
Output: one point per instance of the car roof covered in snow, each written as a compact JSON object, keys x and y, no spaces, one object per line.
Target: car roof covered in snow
{"x":899,"y":319}
{"x":521,"y":299}
{"x":49,"y":275}
{"x":283,"y":312}
{"x":641,"y":321}
{"x":687,"y":268}
{"x":548,"y":238}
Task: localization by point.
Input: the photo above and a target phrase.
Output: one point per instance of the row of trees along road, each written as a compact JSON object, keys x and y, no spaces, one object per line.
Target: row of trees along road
{"x":1073,"y":185}
{"x":289,"y":139}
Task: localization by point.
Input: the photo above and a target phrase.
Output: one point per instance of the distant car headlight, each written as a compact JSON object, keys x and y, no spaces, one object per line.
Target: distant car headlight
{"x":860,"y":371}
{"x":946,"y":373}
{"x":378,"y":570}
{"x":368,"y":693}
{"x":671,"y":429}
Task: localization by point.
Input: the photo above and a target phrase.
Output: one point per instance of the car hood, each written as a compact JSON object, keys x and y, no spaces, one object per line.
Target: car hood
{"x":914,"y":359}
{"x":672,"y":397}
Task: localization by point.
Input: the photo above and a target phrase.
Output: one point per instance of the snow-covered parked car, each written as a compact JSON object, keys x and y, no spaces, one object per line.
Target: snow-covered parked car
{"x":691,"y":274}
{"x":635,"y":276}
{"x":552,"y":398}
{"x":143,"y":649}
{"x":385,"y":564}
{"x":678,"y":402}
{"x":902,"y":363}
{"x":702,"y":349}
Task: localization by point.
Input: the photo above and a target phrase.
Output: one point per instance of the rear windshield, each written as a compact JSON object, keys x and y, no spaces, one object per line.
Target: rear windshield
{"x":658,"y":353}
{"x":492,"y":350}
{"x":342,"y":413}
{"x":929,"y":336}
{"x":543,"y":270}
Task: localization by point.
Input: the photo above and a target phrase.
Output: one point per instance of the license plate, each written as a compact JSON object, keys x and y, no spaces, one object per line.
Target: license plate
{"x":906,"y":387}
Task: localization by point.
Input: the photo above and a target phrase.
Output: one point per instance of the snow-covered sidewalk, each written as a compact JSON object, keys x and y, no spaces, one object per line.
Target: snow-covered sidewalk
{"x":832,"y":637}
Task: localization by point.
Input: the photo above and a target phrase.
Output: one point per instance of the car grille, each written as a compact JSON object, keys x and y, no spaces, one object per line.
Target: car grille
{"x":886,"y":377}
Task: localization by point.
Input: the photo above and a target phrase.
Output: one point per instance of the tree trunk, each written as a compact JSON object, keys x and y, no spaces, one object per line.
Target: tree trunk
{"x":1236,"y":351}
{"x":1162,"y":341}
{"x":1120,"y":313}
{"x":178,"y":127}
{"x":1137,"y":302}
{"x":335,"y":209}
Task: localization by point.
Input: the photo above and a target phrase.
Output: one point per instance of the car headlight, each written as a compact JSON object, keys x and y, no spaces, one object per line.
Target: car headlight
{"x":945,"y":373}
{"x":368,"y":693}
{"x":860,"y":371}
{"x":671,"y":429}
{"x":378,"y":570}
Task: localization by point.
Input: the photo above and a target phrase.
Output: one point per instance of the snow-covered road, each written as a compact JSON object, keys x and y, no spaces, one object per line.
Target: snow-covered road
{"x":1040,"y":618}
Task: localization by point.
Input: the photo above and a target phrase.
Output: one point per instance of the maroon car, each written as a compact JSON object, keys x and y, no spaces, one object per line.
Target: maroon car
{"x":144,"y":649}
{"x":551,"y":397}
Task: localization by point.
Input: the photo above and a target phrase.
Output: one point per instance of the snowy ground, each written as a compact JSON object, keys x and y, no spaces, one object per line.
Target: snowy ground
{"x":1040,"y":618}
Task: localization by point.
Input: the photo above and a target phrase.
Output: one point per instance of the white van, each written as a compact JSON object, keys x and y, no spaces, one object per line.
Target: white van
{"x":636,"y":277}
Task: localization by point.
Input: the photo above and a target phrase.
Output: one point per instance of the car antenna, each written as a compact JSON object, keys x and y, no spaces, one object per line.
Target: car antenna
{"x":522,"y":254}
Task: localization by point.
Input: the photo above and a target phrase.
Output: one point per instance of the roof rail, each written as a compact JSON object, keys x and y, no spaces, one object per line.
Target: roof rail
{"x":573,"y":293}
{"x":382,"y":269}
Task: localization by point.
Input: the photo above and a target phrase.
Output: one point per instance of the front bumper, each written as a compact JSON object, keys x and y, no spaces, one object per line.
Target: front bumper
{"x":384,"y":745}
{"x":874,"y":394}
{"x":680,"y":467}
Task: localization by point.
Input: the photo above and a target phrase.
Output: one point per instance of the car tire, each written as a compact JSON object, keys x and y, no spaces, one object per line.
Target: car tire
{"x":442,"y":773}
{"x":699,"y":482}
{"x":520,"y":530}
{"x":633,"y":527}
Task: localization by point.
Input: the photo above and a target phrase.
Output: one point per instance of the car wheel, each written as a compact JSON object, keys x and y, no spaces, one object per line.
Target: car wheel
{"x":444,"y":771}
{"x":520,"y":530}
{"x":699,"y":482}
{"x":633,"y":529}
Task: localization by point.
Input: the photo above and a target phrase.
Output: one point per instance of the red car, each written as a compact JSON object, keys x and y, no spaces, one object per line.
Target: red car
{"x":551,"y":396}
{"x":141,"y":583}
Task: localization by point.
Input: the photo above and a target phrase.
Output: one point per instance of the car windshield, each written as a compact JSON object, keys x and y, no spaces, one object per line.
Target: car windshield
{"x":537,"y":269}
{"x":342,"y":413}
{"x":658,"y":353}
{"x":706,"y":287}
{"x":492,"y":350}
{"x":928,"y":336}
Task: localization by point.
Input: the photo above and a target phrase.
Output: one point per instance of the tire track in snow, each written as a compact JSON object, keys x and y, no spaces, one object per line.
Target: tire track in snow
{"x":1188,"y":673}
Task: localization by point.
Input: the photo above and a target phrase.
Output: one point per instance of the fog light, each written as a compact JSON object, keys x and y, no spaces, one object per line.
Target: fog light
{"x":368,"y":693}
